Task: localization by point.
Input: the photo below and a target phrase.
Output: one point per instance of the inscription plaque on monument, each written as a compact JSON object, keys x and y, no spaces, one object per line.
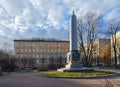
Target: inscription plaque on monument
{"x":76,"y":56}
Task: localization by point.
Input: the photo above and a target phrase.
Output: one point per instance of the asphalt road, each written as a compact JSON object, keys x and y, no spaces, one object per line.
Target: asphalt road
{"x":33,"y":80}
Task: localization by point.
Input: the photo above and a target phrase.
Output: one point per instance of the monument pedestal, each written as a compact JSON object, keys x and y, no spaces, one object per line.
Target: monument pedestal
{"x":73,"y":60}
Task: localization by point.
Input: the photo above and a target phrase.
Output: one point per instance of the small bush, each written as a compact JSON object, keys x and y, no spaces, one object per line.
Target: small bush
{"x":0,"y":73}
{"x":42,"y":68}
{"x":117,"y":67}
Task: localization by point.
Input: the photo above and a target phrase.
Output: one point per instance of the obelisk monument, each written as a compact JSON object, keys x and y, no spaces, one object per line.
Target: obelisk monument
{"x":73,"y":57}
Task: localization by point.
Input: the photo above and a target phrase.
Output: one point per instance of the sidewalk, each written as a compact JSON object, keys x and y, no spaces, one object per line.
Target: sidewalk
{"x":109,"y":70}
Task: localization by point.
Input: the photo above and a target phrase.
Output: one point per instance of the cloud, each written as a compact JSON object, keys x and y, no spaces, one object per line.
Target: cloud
{"x":113,"y":15}
{"x":48,"y":18}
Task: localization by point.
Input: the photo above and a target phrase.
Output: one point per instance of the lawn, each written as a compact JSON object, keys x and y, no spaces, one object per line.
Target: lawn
{"x":76,"y":74}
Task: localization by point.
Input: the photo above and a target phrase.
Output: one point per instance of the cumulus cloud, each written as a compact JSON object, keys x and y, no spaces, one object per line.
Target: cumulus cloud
{"x":113,"y":15}
{"x":48,"y":18}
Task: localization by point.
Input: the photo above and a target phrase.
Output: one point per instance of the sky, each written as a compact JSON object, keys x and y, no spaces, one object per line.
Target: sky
{"x":25,"y":19}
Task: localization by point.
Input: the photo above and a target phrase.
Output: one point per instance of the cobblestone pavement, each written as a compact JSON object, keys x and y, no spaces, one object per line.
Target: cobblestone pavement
{"x":33,"y":80}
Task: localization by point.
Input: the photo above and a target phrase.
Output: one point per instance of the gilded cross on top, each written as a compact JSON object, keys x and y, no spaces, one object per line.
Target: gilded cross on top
{"x":73,"y":5}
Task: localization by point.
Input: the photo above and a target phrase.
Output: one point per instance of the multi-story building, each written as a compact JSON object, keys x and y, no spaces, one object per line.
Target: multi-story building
{"x":102,"y":51}
{"x":41,"y":53}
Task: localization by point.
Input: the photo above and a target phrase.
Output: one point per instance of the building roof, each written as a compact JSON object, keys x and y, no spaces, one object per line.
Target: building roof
{"x":41,"y":40}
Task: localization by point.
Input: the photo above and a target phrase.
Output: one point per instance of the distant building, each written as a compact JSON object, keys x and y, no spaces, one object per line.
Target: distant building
{"x":101,"y":52}
{"x":41,"y":53}
{"x":117,"y":48}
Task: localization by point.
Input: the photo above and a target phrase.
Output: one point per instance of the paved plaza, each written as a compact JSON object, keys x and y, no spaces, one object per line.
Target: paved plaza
{"x":33,"y":80}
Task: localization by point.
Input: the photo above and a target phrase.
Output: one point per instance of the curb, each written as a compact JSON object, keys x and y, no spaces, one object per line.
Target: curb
{"x":85,"y":77}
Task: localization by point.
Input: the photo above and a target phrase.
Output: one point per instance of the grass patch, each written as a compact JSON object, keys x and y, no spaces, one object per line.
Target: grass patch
{"x":76,"y":74}
{"x":24,"y":71}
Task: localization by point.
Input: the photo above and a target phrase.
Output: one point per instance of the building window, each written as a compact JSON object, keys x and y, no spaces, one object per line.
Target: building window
{"x":21,"y":50}
{"x":37,"y":50}
{"x":30,"y":55}
{"x":33,"y":50}
{"x":26,"y":55}
{"x":45,"y":50}
{"x":34,"y":56}
{"x":55,"y":50}
{"x":48,"y":44}
{"x":48,"y":61}
{"x":63,"y":55}
{"x":58,"y":44}
{"x":26,"y":44}
{"x":48,"y":55}
{"x":62,"y":50}
{"x":44,"y":44}
{"x":37,"y":61}
{"x":37,"y":56}
{"x":40,"y":62}
{"x":29,"y":44}
{"x":58,"y":55}
{"x":67,"y":44}
{"x":33,"y":44}
{"x":48,"y":50}
{"x":64,"y":44}
{"x":25,"y":50}
{"x":40,"y":55}
{"x":29,"y":50}
{"x":22,"y":44}
{"x":54,"y":55}
{"x":53,"y":44}
{"x":17,"y":56}
{"x":66,"y":50}
{"x":52,"y":50}
{"x":44,"y":55}
{"x":21,"y":55}
{"x":40,"y":44}
{"x":17,"y":44}
{"x":59,"y":50}
{"x":16,"y":50}
{"x":40,"y":49}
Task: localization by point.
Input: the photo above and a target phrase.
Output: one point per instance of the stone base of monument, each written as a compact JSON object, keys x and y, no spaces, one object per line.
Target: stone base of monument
{"x":74,"y":68}
{"x":74,"y":63}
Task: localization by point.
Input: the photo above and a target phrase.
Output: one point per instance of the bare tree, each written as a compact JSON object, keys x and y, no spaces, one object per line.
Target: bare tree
{"x":7,"y":59}
{"x":24,"y":61}
{"x":113,"y":28}
{"x":30,"y":62}
{"x":87,"y":30}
